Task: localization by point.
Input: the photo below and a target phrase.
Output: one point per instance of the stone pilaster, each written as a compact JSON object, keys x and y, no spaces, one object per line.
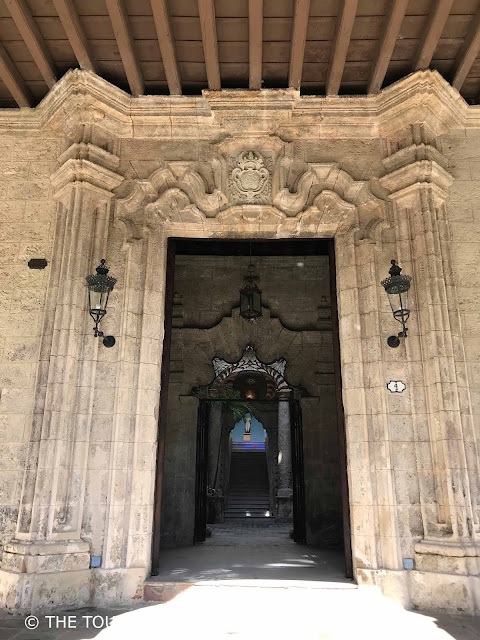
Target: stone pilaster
{"x":48,"y":538}
{"x":418,"y":184}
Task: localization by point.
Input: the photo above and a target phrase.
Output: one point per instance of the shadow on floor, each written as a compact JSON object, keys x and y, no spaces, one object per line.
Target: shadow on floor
{"x":251,"y":551}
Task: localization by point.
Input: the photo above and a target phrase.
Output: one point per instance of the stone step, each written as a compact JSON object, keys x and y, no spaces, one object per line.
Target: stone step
{"x":235,"y":498}
{"x":244,"y":514}
{"x":248,"y":507}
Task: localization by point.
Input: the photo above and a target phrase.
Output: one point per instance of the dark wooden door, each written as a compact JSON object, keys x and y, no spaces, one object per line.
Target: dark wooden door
{"x":342,"y":443}
{"x":299,"y":533}
{"x":201,"y":479}
{"x":162,"y":417}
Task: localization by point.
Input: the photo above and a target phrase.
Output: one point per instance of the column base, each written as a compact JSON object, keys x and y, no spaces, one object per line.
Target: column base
{"x":46,"y":556}
{"x":45,"y":575}
{"x":448,"y":556}
{"x":284,"y":505}
{"x":424,"y":591}
{"x":37,"y":592}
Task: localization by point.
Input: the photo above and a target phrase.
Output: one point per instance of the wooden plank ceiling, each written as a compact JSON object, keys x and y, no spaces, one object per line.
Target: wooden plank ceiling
{"x":183,"y":46}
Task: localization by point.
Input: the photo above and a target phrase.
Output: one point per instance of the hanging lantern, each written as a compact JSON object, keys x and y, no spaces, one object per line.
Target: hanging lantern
{"x":250,"y":296}
{"x":397,"y":287}
{"x":99,"y":287}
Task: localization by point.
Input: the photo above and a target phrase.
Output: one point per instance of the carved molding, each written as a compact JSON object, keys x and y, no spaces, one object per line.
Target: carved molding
{"x":226,"y":372}
{"x":327,"y":200}
{"x":250,"y":179}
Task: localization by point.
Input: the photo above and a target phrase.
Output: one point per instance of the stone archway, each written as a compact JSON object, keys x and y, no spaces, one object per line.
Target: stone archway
{"x":273,"y":373}
{"x":279,"y":454}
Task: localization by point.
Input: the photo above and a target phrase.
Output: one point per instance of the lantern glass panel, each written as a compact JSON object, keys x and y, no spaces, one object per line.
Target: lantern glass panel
{"x":257,"y":302}
{"x":404,"y":299}
{"x":245,"y":302}
{"x":399,"y":305}
{"x":95,"y":300}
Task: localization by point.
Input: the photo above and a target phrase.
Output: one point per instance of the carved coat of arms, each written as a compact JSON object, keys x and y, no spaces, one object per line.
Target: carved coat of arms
{"x":250,"y":180}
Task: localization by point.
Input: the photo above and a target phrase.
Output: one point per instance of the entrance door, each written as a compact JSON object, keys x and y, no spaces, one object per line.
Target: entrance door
{"x":205,"y":247}
{"x":200,"y":530}
{"x":299,"y":532}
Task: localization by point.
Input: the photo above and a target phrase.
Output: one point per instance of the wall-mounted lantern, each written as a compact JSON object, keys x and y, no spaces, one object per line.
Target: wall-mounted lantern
{"x":99,"y":287}
{"x":250,"y":296}
{"x":397,"y":287}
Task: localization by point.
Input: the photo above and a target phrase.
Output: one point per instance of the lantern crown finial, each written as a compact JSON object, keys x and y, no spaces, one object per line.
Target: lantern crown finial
{"x":395,"y":270}
{"x":396,"y":283}
{"x":102,"y":269}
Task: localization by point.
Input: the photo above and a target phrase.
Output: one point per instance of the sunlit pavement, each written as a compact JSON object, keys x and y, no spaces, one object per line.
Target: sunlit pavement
{"x":249,"y":581}
{"x":334,"y":611}
{"x":295,"y":612}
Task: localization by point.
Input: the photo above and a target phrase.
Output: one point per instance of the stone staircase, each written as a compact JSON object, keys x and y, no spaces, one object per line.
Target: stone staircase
{"x":248,"y":493}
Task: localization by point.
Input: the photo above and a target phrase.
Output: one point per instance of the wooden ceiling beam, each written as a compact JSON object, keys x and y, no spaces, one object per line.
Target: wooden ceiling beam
{"x":299,"y":37}
{"x":206,"y":11}
{"x":255,"y":43}
{"x":340,"y":48}
{"x":13,"y":80}
{"x":435,"y":25}
{"x":123,"y":36}
{"x":166,"y":42}
{"x":75,"y":34}
{"x":387,"y":44}
{"x":467,"y":54}
{"x":35,"y":43}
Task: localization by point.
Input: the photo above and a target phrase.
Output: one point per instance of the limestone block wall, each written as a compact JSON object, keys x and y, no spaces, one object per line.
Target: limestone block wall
{"x":27,"y":226}
{"x":393,"y":175}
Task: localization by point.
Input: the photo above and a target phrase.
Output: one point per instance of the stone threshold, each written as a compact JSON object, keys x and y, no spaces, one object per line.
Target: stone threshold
{"x":157,"y":591}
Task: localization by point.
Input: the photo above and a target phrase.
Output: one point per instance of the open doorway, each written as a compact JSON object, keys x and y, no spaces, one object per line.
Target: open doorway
{"x":249,"y":480}
{"x":203,"y":485}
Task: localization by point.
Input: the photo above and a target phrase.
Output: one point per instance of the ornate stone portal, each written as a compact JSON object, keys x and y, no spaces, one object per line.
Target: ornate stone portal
{"x":226,"y":373}
{"x":371,"y":172}
{"x":277,"y":388}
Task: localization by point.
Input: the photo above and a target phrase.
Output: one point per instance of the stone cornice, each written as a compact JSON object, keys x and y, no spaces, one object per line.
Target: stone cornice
{"x":82,"y":98}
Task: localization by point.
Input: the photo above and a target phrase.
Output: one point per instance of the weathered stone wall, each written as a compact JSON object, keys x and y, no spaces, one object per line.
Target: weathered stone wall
{"x":388,"y":176}
{"x":27,"y":224}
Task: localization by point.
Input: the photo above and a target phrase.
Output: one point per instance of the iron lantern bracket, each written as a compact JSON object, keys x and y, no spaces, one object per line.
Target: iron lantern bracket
{"x":398,"y":284}
{"x":100,"y":283}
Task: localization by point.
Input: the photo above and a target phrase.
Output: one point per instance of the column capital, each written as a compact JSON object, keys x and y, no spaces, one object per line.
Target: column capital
{"x":90,"y":167}
{"x":412,"y":169}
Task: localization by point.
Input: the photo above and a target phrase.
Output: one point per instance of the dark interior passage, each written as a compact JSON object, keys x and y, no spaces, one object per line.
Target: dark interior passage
{"x":247,"y":481}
